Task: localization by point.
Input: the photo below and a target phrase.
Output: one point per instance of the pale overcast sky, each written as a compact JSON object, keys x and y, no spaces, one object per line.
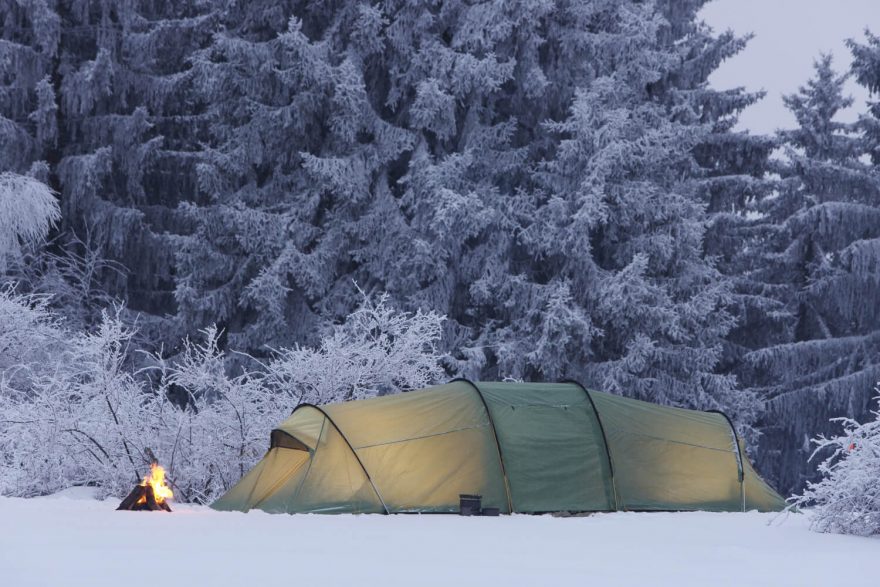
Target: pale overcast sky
{"x":789,"y":35}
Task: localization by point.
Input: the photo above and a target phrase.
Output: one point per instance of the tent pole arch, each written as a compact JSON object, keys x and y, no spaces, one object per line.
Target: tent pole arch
{"x":350,"y":447}
{"x":738,"y":455}
{"x":494,"y":436}
{"x":604,"y":440}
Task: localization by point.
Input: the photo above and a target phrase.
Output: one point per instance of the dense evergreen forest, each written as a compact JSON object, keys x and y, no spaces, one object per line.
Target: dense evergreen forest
{"x":555,"y":177}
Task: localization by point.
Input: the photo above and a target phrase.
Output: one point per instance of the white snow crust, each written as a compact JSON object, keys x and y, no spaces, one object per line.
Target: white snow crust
{"x":72,"y":540}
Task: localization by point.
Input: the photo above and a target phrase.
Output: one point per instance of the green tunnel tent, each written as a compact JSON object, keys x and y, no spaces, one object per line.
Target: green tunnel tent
{"x":525,"y":447}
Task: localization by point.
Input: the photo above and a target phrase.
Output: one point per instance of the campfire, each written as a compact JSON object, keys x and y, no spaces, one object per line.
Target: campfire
{"x":151,"y":494}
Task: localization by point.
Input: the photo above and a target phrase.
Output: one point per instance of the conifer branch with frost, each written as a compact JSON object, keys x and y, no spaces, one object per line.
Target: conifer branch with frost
{"x":814,"y":254}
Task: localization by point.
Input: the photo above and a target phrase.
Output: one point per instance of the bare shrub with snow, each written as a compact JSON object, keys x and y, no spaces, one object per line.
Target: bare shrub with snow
{"x":219,"y":429}
{"x":376,"y":350}
{"x":73,"y":271}
{"x":223,"y":429}
{"x":29,"y":333}
{"x":847,"y":498}
{"x":73,"y":412}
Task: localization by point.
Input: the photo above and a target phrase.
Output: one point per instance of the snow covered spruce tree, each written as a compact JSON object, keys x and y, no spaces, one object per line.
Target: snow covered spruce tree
{"x":270,"y":235}
{"x":596,"y":268}
{"x":820,"y":259}
{"x":129,"y":132}
{"x":846,"y":499}
{"x":29,"y":37}
{"x":528,"y":170}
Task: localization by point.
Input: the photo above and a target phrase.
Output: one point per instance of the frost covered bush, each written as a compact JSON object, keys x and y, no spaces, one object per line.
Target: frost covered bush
{"x":70,"y":411}
{"x":27,"y":211}
{"x":73,"y":273}
{"x":210,"y":438}
{"x":376,"y":350}
{"x":224,"y":427}
{"x":29,"y":333}
{"x":847,"y":498}
{"x":74,"y":412}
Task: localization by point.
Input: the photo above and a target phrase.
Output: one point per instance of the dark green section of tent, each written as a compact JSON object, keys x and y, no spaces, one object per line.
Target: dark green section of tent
{"x":552,"y":447}
{"x":525,"y":447}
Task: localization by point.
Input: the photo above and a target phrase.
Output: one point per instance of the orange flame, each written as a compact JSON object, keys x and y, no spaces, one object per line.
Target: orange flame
{"x":156,"y":479}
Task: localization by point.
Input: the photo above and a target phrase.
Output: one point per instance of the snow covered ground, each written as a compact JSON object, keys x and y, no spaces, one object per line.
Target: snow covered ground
{"x":71,"y":540}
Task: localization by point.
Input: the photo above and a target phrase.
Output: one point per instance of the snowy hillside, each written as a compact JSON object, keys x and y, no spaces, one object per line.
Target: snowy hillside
{"x":90,"y":544}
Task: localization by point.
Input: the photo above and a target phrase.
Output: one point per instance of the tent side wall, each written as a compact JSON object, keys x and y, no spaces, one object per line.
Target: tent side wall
{"x":325,"y":478}
{"x":277,"y":466}
{"x":669,"y":458}
{"x":758,"y":495}
{"x":552,"y":446}
{"x":425,"y":448}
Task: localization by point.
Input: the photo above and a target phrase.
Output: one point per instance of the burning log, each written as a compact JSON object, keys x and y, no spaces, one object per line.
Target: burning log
{"x":143,"y":498}
{"x":151,"y":494}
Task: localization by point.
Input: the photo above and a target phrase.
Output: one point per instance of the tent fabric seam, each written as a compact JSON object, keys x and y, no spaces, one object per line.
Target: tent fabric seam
{"x":681,"y":442}
{"x":279,"y":483}
{"x":739,"y":457}
{"x":495,"y":436}
{"x":402,"y":440}
{"x":604,"y":441}
{"x":311,"y":457}
{"x":350,"y":447}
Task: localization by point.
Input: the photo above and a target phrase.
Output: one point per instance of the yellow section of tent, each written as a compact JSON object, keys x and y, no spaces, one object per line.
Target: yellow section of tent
{"x":669,"y":458}
{"x":425,"y":448}
{"x":270,"y":474}
{"x":758,"y":495}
